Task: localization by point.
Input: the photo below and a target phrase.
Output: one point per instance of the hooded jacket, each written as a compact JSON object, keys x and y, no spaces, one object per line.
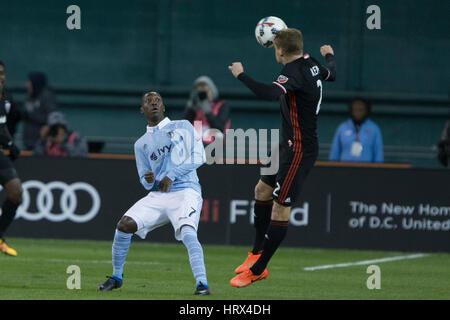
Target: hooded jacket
{"x":216,"y":117}
{"x":36,"y":108}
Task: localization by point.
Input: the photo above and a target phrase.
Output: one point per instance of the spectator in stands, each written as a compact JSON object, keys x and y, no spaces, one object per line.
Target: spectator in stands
{"x":57,"y":140}
{"x":358,"y":139}
{"x":40,"y":103}
{"x":444,"y":146}
{"x":205,"y":105}
{"x":13,"y":115}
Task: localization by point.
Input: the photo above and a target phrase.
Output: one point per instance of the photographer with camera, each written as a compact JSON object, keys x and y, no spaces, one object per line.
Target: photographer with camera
{"x":205,"y":105}
{"x":56,"y":140}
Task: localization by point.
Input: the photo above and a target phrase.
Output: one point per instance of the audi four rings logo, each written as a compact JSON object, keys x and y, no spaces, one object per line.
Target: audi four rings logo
{"x":68,"y":201}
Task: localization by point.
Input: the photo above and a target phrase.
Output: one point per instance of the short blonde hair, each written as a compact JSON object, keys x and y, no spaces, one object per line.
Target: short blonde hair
{"x":290,"y":40}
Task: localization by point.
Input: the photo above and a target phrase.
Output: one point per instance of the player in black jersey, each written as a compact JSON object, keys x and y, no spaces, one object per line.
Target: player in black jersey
{"x":299,"y":90}
{"x":8,"y":175}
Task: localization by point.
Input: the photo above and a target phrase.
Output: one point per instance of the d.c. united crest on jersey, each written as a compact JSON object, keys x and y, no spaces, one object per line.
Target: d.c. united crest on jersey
{"x":282,"y":79}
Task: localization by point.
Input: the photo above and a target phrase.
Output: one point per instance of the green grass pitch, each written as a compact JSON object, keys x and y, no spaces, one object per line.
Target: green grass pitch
{"x":156,"y":271}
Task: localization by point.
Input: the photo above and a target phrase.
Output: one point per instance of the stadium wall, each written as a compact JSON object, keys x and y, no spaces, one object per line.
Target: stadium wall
{"x":126,"y":47}
{"x":139,"y":43}
{"x":341,"y":207}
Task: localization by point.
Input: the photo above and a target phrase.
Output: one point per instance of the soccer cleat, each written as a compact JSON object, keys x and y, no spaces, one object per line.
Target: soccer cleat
{"x":111,"y":283}
{"x":248,"y":263}
{"x":7,"y":250}
{"x":246,"y":278}
{"x":202,"y":289}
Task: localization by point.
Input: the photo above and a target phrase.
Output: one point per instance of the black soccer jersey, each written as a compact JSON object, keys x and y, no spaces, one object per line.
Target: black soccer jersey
{"x":5,"y":137}
{"x":301,"y":82}
{"x":299,"y":89}
{"x":7,"y":171}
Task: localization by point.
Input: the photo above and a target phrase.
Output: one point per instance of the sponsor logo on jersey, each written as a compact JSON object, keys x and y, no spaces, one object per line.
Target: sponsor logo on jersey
{"x":282,"y":79}
{"x":164,"y":149}
{"x":160,"y":152}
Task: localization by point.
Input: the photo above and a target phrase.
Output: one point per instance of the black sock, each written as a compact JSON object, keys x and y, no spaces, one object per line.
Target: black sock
{"x":263,"y":211}
{"x":9,"y":209}
{"x":275,"y":234}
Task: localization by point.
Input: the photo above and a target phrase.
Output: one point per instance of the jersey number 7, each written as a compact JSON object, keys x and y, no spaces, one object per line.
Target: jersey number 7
{"x":319,"y":85}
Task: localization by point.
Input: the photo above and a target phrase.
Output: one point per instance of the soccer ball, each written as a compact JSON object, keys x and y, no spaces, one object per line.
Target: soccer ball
{"x":267,"y":28}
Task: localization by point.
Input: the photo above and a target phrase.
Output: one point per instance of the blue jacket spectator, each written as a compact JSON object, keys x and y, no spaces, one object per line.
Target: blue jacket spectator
{"x":358,"y":139}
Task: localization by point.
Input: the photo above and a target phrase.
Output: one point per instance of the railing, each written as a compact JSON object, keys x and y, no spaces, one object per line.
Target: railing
{"x":177,"y":96}
{"x":248,"y":161}
{"x":241,"y":100}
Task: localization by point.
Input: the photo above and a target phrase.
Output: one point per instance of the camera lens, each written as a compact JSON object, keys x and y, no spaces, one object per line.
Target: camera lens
{"x":202,"y":95}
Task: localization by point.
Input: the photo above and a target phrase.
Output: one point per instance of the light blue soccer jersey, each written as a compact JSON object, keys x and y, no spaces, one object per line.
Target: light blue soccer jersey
{"x":172,"y":149}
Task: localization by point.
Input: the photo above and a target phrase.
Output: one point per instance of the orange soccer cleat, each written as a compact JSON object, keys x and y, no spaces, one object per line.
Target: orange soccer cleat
{"x":248,"y":263}
{"x":7,"y":250}
{"x":246,"y":278}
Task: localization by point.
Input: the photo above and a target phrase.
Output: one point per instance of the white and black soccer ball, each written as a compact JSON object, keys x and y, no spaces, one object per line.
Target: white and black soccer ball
{"x":266,"y":30}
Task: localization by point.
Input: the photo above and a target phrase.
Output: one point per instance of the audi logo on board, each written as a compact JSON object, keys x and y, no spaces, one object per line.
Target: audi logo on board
{"x":68,"y":202}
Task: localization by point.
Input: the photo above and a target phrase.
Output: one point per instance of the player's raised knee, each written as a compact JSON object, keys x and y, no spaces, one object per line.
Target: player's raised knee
{"x":127,"y":225}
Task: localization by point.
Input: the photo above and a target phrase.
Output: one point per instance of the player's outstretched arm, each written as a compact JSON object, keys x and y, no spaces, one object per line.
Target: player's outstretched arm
{"x":261,"y":90}
{"x":329,"y":73}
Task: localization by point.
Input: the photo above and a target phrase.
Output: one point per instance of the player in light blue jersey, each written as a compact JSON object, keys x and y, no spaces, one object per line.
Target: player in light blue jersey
{"x":167,"y":157}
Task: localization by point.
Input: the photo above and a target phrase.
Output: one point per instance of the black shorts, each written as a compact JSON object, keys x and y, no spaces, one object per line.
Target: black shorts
{"x":7,"y":171}
{"x":292,"y":173}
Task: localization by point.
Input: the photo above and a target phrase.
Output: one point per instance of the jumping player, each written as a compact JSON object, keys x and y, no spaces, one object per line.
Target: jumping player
{"x":299,"y":90}
{"x":167,"y":157}
{"x":8,"y":175}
